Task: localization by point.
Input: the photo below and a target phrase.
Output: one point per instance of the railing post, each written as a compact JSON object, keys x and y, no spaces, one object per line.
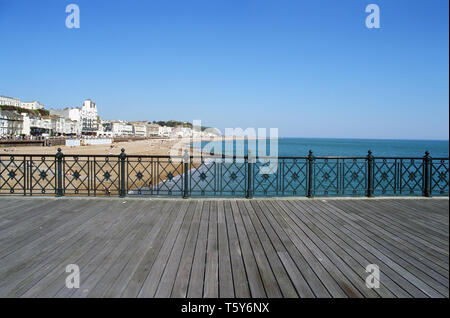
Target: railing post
{"x":370,"y":159}
{"x":310,"y":174}
{"x":122,"y":158}
{"x":249,"y":175}
{"x":426,"y":192}
{"x":59,"y":181}
{"x":186,"y":158}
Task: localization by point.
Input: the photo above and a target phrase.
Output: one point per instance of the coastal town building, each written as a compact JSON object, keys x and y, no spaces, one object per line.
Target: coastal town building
{"x":118,"y":127}
{"x":10,"y":123}
{"x":86,"y":115}
{"x":89,"y":117}
{"x":31,"y":105}
{"x":164,"y":131}
{"x":139,"y":128}
{"x":152,"y":130}
{"x":9,"y":101}
{"x":21,"y":119}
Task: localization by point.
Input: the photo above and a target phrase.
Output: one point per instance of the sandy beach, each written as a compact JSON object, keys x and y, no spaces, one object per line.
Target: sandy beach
{"x":161,"y":147}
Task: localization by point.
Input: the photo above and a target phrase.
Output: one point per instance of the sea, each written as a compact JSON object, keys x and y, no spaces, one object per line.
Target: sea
{"x":299,"y":147}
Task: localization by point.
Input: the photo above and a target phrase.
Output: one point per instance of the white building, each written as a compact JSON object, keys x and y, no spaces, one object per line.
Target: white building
{"x":9,"y":101}
{"x":182,"y":132}
{"x":121,"y":128}
{"x":165,"y":131}
{"x":139,"y":129}
{"x":40,"y":126}
{"x":152,"y":130}
{"x":89,"y":116}
{"x":31,"y":105}
{"x":86,"y":115}
{"x":26,"y":124}
{"x":68,"y":113}
{"x":10,"y":123}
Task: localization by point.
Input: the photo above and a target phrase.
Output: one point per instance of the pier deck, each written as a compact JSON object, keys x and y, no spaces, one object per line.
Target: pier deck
{"x":224,"y":248}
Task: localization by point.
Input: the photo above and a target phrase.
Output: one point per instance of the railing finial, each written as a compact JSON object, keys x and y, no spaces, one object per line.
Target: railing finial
{"x":122,"y":153}
{"x":59,"y":154}
{"x":186,"y":155}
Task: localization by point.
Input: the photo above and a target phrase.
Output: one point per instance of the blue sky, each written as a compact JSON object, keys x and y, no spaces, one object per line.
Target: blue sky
{"x":309,"y":68}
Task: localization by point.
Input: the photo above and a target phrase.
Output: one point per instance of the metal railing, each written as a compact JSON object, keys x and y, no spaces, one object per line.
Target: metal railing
{"x":220,"y":176}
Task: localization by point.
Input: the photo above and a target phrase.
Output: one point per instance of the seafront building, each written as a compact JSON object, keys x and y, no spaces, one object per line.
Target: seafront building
{"x":24,"y":119}
{"x":31,"y":105}
{"x":9,"y":101}
{"x":86,"y":116}
{"x":10,"y":123}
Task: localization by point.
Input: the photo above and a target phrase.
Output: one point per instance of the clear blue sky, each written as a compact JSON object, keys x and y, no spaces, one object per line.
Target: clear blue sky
{"x":310,"y":68}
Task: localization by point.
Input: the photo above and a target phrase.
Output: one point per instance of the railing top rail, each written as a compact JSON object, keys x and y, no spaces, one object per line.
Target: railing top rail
{"x":215,"y":156}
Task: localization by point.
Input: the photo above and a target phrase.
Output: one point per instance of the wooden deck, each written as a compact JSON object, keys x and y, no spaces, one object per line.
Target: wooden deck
{"x":224,"y":248}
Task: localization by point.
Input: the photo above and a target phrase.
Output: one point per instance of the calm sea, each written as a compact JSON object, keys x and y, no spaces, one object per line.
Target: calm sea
{"x":349,"y":147}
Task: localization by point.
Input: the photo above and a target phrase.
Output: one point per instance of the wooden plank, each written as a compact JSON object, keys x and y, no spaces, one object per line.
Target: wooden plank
{"x":184,"y":270}
{"x":240,"y":280}
{"x":253,"y":275}
{"x":134,"y":285}
{"x":159,"y":210}
{"x":414,"y":286}
{"x":304,"y":276}
{"x":154,"y":276}
{"x":111,"y":274}
{"x":343,"y":275}
{"x":164,"y":288}
{"x":105,"y":224}
{"x":211,"y":285}
{"x":315,"y":263}
{"x":381,"y":233}
{"x":263,"y":244}
{"x":226,"y":287}
{"x":196,"y":279}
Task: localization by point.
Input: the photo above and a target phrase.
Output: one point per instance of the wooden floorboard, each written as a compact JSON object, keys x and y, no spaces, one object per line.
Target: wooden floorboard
{"x":224,"y":247}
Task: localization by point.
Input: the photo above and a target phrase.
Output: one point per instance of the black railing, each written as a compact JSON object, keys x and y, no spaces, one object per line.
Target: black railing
{"x":220,"y":176}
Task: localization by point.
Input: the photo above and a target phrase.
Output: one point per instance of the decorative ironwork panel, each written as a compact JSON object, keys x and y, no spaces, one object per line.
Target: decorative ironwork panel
{"x":140,"y":176}
{"x":13,"y":175}
{"x":42,"y":176}
{"x":386,"y":176}
{"x":169,"y":177}
{"x":265,"y":179}
{"x":77,"y":175}
{"x":203,"y":178}
{"x":439,"y":177}
{"x":106,"y":176}
{"x":411,"y":176}
{"x":353,"y":177}
{"x":232,"y":178}
{"x":326,"y":177}
{"x":293,"y":174}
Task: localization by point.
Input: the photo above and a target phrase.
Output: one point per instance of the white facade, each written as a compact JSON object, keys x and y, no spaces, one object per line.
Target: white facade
{"x":9,"y":101}
{"x":182,"y":132}
{"x":85,"y":115}
{"x":88,"y":116}
{"x":139,"y":129}
{"x":68,"y":113}
{"x":31,"y":105}
{"x":26,"y":124}
{"x":119,"y":128}
{"x":165,"y":131}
